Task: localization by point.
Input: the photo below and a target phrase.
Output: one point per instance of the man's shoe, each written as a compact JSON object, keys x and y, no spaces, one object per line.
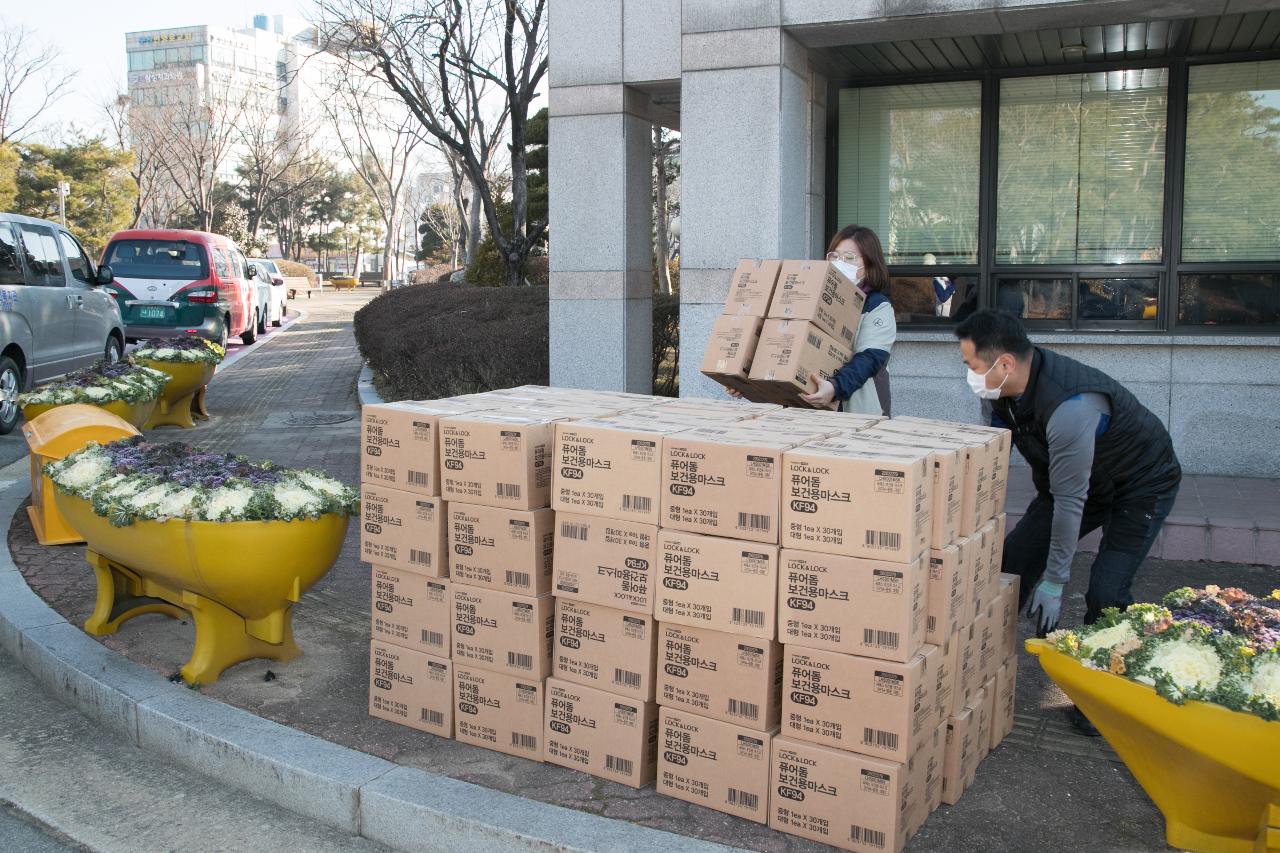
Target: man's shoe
{"x":1081,"y":723}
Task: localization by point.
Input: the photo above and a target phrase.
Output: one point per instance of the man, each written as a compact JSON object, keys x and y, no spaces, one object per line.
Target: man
{"x":1098,"y":458}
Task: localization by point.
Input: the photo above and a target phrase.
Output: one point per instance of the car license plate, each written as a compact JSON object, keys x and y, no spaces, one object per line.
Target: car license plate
{"x":152,"y":312}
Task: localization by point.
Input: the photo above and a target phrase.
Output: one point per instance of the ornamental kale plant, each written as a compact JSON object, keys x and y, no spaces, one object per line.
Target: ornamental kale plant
{"x":1212,"y":645}
{"x":132,"y":480}
{"x":103,"y":382}
{"x":189,"y":349}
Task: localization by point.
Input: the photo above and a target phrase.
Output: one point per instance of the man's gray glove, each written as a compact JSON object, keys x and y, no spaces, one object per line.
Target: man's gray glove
{"x":1045,"y":607}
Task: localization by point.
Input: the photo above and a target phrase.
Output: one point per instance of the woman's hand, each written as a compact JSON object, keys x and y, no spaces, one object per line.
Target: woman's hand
{"x":732,"y":392}
{"x":823,"y":395}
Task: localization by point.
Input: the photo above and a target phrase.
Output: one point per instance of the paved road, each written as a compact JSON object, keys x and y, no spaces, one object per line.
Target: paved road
{"x":20,"y":831}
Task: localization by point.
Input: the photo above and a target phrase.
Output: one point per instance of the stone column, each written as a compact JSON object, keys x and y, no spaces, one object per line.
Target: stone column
{"x":601,"y":261}
{"x":748,"y":174}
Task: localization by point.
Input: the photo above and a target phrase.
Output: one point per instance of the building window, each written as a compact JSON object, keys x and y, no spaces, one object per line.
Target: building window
{"x":1229,"y":299}
{"x":1231,"y":195}
{"x":141,"y":60}
{"x":933,"y":299}
{"x":1081,"y":168}
{"x":908,"y":168}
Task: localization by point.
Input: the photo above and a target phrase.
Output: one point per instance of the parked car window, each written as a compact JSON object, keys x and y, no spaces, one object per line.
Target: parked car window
{"x":81,"y":269}
{"x":242,"y":265}
{"x":43,"y":259}
{"x":171,"y":259}
{"x":10,"y":266}
{"x":221,"y":264}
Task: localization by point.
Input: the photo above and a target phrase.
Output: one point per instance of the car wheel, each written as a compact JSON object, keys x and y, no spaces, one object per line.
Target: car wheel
{"x":222,"y":335}
{"x":250,"y":334}
{"x":280,"y":322}
{"x":10,"y":386}
{"x":262,"y":323}
{"x":112,"y":352}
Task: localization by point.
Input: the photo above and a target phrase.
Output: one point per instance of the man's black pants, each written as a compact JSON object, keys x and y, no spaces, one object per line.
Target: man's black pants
{"x":1129,"y":529}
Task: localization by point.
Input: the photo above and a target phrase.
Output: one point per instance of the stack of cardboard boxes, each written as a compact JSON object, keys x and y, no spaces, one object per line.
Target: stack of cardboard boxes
{"x":793,"y":616}
{"x":785,"y":324}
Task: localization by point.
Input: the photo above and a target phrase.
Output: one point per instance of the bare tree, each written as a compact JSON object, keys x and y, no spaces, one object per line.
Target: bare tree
{"x":666,"y":146}
{"x":437,"y":56}
{"x":379,"y":138}
{"x":277,"y":160}
{"x":31,"y":80}
{"x":144,"y":167}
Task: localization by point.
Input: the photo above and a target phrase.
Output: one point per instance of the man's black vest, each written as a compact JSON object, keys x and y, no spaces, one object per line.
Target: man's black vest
{"x":1133,"y":459}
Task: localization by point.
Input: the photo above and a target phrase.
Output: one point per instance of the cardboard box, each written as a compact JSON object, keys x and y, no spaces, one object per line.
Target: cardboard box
{"x":609,"y":736}
{"x":399,"y":445}
{"x":606,"y":561}
{"x":948,"y":588}
{"x":499,"y":712}
{"x":413,"y":611}
{"x":723,"y":676}
{"x":1006,"y":692}
{"x":976,"y":554}
{"x":612,"y":468}
{"x":873,"y":503}
{"x":1008,"y":609}
{"x":793,"y":356}
{"x":976,"y":458}
{"x":751,"y":289}
{"x":503,"y":632}
{"x":990,"y":641}
{"x":608,"y":649}
{"x":724,"y":483}
{"x":817,"y":292}
{"x":935,"y":769}
{"x":504,"y":549}
{"x":961,"y":764}
{"x":494,"y":460}
{"x":994,"y":454}
{"x":845,"y":604}
{"x":945,"y":681}
{"x":714,"y":764}
{"x":850,"y":801}
{"x":966,"y":682}
{"x":874,"y":707}
{"x":948,"y":478}
{"x":403,"y":530}
{"x":411,"y":688}
{"x":995,"y":564}
{"x":986,"y":717}
{"x":721,"y":584}
{"x":730,"y":349}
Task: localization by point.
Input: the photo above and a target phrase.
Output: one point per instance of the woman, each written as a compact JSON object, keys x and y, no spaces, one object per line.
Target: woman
{"x":862,"y":385}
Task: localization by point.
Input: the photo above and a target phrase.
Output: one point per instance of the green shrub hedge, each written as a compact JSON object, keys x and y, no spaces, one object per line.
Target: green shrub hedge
{"x":437,"y":340}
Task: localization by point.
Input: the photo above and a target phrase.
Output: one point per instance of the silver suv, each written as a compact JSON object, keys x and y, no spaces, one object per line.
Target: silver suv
{"x":54,"y":318}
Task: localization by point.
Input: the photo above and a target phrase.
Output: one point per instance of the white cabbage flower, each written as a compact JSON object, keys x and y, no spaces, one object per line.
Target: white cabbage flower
{"x":1265,"y":683}
{"x":85,"y":471}
{"x":295,"y":499}
{"x":1108,"y":638}
{"x":152,"y":496}
{"x":177,"y":504}
{"x":324,"y":485}
{"x":1191,"y":665}
{"x":97,"y":393}
{"x":227,"y":503}
{"x":164,"y":353}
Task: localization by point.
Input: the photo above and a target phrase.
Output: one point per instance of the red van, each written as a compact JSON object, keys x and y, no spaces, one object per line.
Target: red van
{"x":170,"y":283}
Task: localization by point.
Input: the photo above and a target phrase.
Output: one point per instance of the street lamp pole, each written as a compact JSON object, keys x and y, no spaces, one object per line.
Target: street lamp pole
{"x":63,"y":190}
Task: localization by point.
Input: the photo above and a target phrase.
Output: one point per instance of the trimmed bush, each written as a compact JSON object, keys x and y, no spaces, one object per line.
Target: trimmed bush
{"x":293,"y":268}
{"x":436,"y":340}
{"x":666,"y":345}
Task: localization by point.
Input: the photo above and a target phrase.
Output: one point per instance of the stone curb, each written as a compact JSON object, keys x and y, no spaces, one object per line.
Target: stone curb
{"x":401,"y":807}
{"x":368,"y":392}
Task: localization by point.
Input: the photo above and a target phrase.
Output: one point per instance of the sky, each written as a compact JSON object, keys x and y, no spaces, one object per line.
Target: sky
{"x":90,"y":36}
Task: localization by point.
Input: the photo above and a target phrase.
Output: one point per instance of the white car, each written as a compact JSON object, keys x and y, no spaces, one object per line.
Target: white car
{"x":271,"y":296}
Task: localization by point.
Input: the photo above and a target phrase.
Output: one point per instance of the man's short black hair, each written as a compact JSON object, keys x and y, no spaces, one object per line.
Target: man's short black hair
{"x":994,"y":333}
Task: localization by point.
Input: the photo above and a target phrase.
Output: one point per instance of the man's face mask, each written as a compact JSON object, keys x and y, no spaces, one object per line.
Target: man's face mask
{"x":978,"y":384}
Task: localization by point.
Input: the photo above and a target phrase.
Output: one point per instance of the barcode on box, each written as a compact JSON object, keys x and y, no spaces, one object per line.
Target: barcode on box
{"x":637,"y":503}
{"x":417,"y":478}
{"x":881,"y":639}
{"x":883,"y":539}
{"x":569,"y":530}
{"x":520,"y":741}
{"x":744,"y":709}
{"x":750,"y":618}
{"x":626,"y":678}
{"x":753,"y":521}
{"x":421,"y":558}
{"x":931,"y":624}
{"x":742,"y":798}
{"x":880,"y":739}
{"x":866,"y":835}
{"x":433,"y":638}
{"x":814,"y":340}
{"x":432,"y":718}
{"x":621,"y":766}
{"x":520,"y":579}
{"x":519,"y":661}
{"x":508,"y":490}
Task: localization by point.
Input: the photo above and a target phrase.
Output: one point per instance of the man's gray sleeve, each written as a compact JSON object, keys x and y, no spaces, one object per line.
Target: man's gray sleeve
{"x":1071,"y":432}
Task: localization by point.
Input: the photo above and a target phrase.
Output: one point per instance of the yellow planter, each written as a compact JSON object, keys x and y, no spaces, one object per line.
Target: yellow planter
{"x":136,"y":414}
{"x":1213,"y":772}
{"x":238,"y":580}
{"x":186,"y":378}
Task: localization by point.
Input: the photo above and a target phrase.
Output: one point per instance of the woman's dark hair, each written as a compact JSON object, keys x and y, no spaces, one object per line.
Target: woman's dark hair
{"x":875,"y":275}
{"x":994,"y":333}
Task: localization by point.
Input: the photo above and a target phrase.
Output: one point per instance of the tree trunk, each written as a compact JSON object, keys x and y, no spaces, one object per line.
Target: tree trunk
{"x":388,"y":250}
{"x":473,"y":226}
{"x":663,"y":248}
